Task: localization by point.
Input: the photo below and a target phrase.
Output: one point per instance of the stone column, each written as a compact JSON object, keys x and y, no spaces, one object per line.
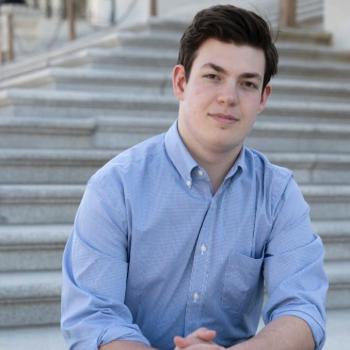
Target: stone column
{"x":336,"y":21}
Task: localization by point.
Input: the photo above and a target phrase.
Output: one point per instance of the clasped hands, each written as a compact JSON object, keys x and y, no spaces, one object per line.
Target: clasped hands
{"x":201,"y":339}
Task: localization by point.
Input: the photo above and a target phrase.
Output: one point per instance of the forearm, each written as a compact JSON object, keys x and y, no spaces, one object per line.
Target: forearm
{"x":287,"y":333}
{"x":125,"y":345}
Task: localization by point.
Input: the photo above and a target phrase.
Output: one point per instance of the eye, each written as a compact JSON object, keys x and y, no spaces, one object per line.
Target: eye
{"x":250,"y":85}
{"x":211,"y":76}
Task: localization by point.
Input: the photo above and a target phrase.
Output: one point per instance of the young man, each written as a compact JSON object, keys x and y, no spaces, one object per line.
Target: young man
{"x":175,"y":237}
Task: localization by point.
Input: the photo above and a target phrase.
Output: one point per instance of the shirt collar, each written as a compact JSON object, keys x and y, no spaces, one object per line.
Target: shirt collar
{"x":240,"y":163}
{"x":183,"y":161}
{"x":178,"y":153}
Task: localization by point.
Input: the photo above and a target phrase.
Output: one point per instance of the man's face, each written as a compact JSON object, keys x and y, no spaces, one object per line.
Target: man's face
{"x":222,"y":97}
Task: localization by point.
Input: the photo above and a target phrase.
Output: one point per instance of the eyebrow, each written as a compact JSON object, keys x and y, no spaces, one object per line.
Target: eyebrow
{"x":219,"y":69}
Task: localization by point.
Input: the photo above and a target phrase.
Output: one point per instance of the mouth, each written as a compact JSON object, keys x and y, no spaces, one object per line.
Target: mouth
{"x":224,"y":118}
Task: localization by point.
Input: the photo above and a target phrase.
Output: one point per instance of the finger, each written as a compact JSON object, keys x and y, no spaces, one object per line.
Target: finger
{"x":205,"y":347}
{"x":181,"y":342}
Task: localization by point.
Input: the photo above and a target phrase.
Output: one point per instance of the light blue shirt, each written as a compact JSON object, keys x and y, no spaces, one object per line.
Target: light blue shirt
{"x":155,"y":254}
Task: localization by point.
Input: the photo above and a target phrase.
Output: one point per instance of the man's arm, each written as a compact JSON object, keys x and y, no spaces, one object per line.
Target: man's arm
{"x":287,"y":333}
{"x":95,"y":268}
{"x":125,"y":345}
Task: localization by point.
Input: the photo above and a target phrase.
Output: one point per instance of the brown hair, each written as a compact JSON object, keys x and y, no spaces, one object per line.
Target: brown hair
{"x":228,"y":23}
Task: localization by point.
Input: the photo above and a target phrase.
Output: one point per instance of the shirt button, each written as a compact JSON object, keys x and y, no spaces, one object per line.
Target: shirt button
{"x":200,"y":173}
{"x":196,"y":297}
{"x":203,"y":248}
{"x":189,"y":183}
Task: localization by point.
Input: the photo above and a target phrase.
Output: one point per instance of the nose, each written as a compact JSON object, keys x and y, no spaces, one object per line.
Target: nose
{"x":228,"y":94}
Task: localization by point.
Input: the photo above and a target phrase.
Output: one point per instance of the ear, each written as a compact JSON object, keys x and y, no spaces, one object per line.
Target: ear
{"x":264,"y":97}
{"x":179,"y":81}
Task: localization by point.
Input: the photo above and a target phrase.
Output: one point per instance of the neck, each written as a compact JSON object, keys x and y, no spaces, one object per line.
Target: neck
{"x":216,"y":165}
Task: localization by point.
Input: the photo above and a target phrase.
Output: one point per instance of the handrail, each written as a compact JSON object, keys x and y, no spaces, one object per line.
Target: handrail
{"x":71,"y":19}
{"x":287,"y":15}
{"x":153,"y":8}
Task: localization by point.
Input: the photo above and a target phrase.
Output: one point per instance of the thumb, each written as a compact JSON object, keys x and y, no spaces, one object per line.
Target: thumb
{"x":206,"y":334}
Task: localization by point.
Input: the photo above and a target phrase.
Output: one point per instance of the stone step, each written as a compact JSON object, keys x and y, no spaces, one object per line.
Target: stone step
{"x":310,"y":168}
{"x":298,"y":35}
{"x":30,"y":248}
{"x":29,"y":298}
{"x":25,"y":102}
{"x":31,"y":337}
{"x":328,"y":202}
{"x":336,"y":238}
{"x":339,"y":281}
{"x":163,"y":61}
{"x":33,"y":298}
{"x":123,"y":132}
{"x":40,"y":247}
{"x":57,"y":204}
{"x":269,"y":136}
{"x":129,"y":58}
{"x":39,"y":204}
{"x":47,"y":166}
{"x":159,"y":83}
{"x":310,"y":90}
{"x":164,"y":40}
{"x":45,"y":132}
{"x":314,"y":70}
{"x":82,"y":79}
{"x":52,"y":166}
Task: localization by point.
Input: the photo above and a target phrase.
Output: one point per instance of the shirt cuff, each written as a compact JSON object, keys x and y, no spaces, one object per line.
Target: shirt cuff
{"x":122,"y":333}
{"x":316,"y":329}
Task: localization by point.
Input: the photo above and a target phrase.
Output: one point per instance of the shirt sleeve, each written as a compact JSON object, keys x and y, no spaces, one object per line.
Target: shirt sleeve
{"x":95,"y":268}
{"x":295,"y":279}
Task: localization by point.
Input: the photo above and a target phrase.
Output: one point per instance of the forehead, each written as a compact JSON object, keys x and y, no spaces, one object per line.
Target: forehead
{"x":230,"y":56}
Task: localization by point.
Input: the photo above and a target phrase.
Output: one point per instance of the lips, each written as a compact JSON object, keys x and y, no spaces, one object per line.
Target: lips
{"x":224,"y":118}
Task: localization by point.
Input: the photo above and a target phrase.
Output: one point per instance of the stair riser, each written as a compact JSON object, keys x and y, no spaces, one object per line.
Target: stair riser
{"x":77,"y":110}
{"x":284,"y":52}
{"x":263,"y":140}
{"x":106,"y":137}
{"x":49,"y":211}
{"x":114,"y":62}
{"x":330,"y":208}
{"x":298,"y":142}
{"x":339,"y":297}
{"x":156,"y":88}
{"x":168,"y":27}
{"x":80,"y":109}
{"x":33,"y":213}
{"x":165,"y":65}
{"x":315,"y":73}
{"x":337,"y":250}
{"x":37,"y":139}
{"x":165,"y":88}
{"x":50,"y":258}
{"x":49,"y":172}
{"x":38,"y":258}
{"x":30,"y":313}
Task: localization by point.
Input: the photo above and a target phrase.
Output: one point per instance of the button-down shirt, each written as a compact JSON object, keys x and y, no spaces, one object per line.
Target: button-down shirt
{"x":155,"y":253}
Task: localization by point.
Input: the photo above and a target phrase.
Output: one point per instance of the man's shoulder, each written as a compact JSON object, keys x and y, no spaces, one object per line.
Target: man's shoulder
{"x":273,"y":177}
{"x":263,"y":165}
{"x":132,"y":160}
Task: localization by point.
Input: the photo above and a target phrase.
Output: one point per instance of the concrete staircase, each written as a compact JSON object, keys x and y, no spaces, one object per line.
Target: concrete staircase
{"x":58,"y":125}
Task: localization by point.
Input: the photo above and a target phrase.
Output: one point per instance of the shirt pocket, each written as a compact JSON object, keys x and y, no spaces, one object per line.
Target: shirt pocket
{"x":242,"y":282}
